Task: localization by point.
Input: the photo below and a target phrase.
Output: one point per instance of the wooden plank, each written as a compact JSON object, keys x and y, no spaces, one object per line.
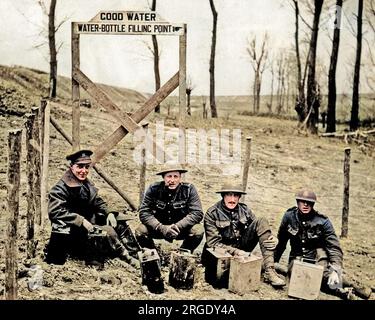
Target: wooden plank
{"x":101,"y":150}
{"x":142,"y":173}
{"x":14,"y":173}
{"x":75,"y":91}
{"x":38,"y":164}
{"x":114,"y":186}
{"x":98,"y":170}
{"x":30,"y":169}
{"x":44,"y":181}
{"x":126,"y":121}
{"x":246,"y":166}
{"x":348,"y":134}
{"x":99,"y":95}
{"x":345,"y":207}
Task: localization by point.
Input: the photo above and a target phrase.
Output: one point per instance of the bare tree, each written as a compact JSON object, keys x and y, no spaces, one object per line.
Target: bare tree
{"x":371,"y":57}
{"x":331,"y":109}
{"x":281,"y":62}
{"x":272,"y":71}
{"x":53,"y":50}
{"x":212,"y":61}
{"x":300,"y":103}
{"x":311,"y":96}
{"x":156,"y":55}
{"x":259,"y":64}
{"x":354,"y":120}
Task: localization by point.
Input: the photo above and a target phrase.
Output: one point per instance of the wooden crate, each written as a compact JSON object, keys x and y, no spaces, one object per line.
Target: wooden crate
{"x":182,"y":270}
{"x":217,"y":267}
{"x":151,"y":270}
{"x":305,"y":280}
{"x":244,"y":274}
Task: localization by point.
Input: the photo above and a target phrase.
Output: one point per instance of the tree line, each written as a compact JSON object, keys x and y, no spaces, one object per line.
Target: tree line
{"x":295,"y":71}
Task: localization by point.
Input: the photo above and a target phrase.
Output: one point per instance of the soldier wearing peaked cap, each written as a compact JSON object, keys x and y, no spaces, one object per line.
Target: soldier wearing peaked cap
{"x":77,"y":212}
{"x":231,"y":225}
{"x":313,"y":239}
{"x":171,"y":210}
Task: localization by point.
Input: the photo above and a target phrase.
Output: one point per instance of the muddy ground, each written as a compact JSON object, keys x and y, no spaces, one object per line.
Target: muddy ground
{"x":283,"y":159}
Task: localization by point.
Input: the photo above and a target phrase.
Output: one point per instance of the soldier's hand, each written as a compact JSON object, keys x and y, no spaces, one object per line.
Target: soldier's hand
{"x":271,"y":242}
{"x":241,"y":253}
{"x":175,"y":228}
{"x":168,"y":232}
{"x":333,"y":279}
{"x":111,"y":220}
{"x":87,"y":225}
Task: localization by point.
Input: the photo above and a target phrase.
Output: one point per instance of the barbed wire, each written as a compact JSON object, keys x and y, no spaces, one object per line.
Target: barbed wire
{"x":325,"y":170}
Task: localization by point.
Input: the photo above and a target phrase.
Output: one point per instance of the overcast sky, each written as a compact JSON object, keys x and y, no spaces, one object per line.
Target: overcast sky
{"x":124,"y":60}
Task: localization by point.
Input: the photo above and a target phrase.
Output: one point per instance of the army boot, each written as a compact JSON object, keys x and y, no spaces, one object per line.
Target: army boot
{"x":344,"y":293}
{"x":127,"y":238}
{"x":125,"y":256}
{"x":270,"y":275}
{"x":359,"y":290}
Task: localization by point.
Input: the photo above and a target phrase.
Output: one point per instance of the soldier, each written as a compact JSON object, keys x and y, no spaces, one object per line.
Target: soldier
{"x":171,"y":210}
{"x":78,"y":213}
{"x":231,"y":225}
{"x":313,"y":239}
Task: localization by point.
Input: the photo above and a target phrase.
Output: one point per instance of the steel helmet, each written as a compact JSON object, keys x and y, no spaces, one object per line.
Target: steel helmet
{"x":306,"y":195}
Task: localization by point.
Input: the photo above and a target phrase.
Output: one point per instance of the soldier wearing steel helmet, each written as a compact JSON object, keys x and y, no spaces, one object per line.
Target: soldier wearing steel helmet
{"x":231,"y":225}
{"x":313,"y":239}
{"x":171,"y":210}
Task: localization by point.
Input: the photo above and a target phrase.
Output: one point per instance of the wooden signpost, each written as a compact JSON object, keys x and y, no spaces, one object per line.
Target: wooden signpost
{"x":124,"y":23}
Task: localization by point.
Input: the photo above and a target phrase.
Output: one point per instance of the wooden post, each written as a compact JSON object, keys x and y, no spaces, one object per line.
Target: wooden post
{"x":44,"y":180}
{"x":182,"y":78}
{"x":142,"y":175}
{"x":246,"y":166}
{"x":75,"y":90}
{"x":14,"y":171}
{"x":30,"y":168}
{"x":37,"y":134}
{"x":98,"y":170}
{"x":182,"y":100}
{"x":345,"y":208}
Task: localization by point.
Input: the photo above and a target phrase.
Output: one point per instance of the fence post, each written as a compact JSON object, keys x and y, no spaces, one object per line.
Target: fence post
{"x":37,"y":165}
{"x":30,"y":169}
{"x":142,"y":175}
{"x":14,"y":170}
{"x":345,"y":208}
{"x":246,"y":166}
{"x":45,"y":153}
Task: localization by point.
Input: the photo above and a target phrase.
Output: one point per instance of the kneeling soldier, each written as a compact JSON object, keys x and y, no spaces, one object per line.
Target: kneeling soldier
{"x":232,"y":226}
{"x":171,"y":210}
{"x":80,"y":219}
